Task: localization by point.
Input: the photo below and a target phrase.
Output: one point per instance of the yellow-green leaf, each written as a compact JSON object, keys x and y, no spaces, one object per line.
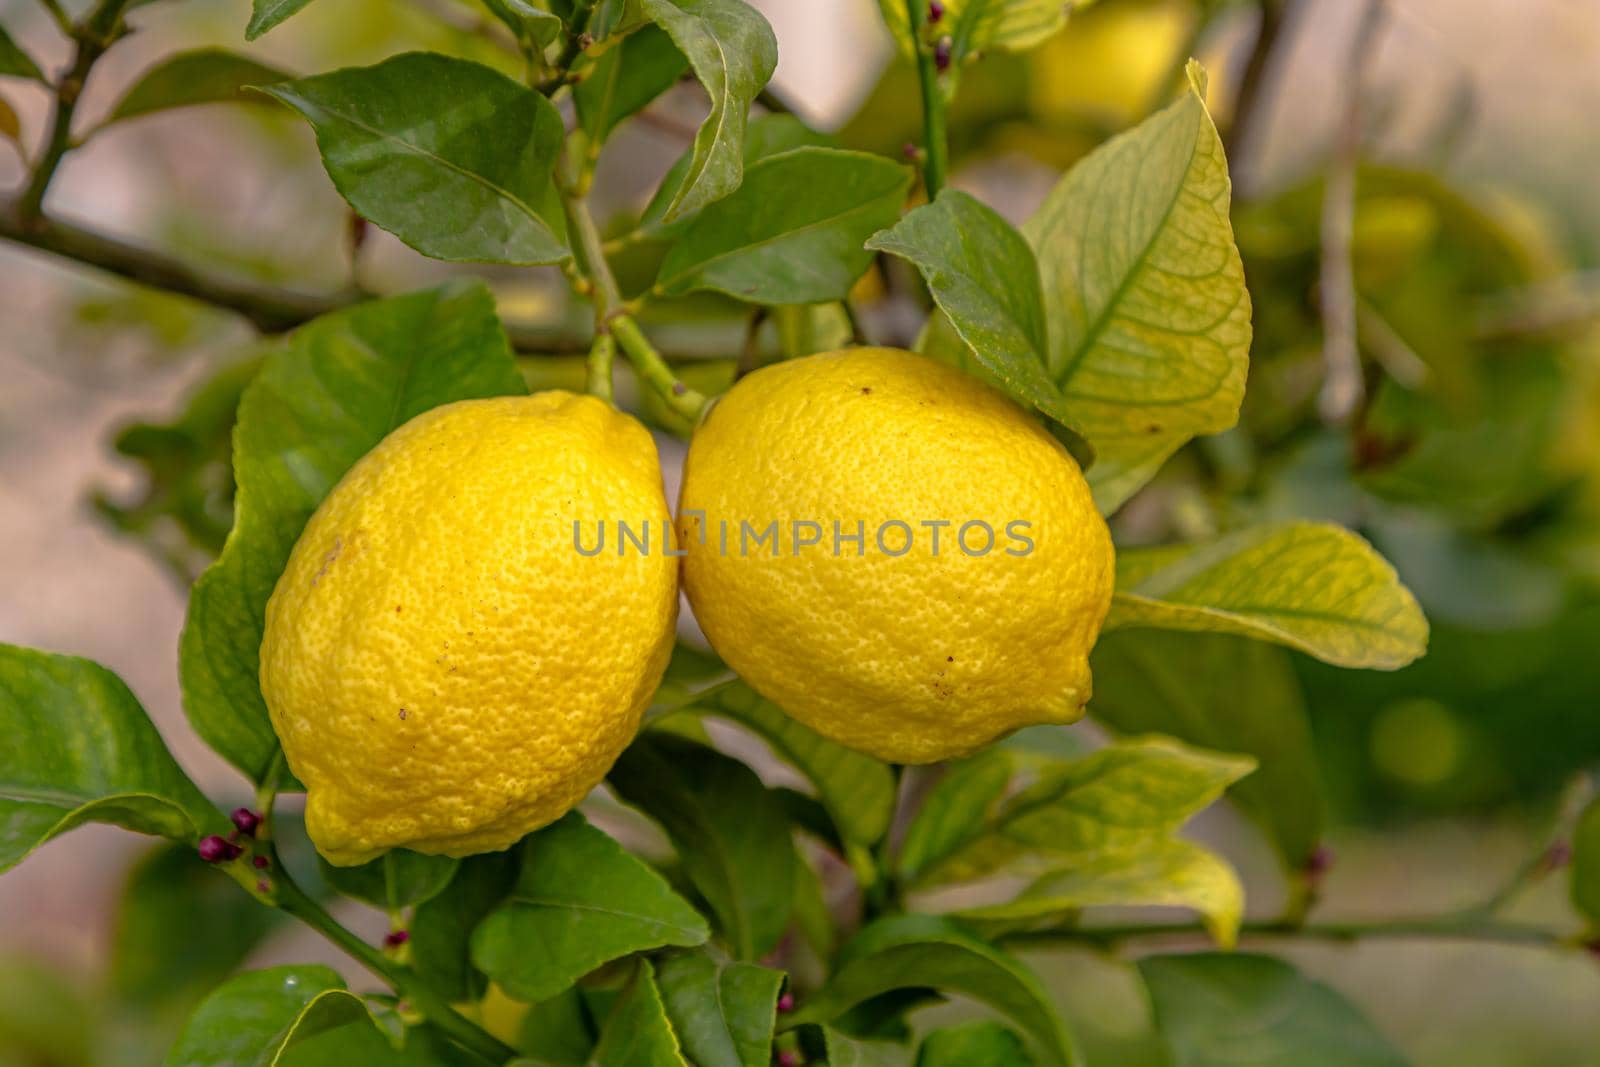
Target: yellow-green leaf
{"x":1311,"y":586}
{"x":1009,"y":25}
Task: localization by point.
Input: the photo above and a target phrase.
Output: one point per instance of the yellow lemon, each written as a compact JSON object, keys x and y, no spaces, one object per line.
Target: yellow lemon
{"x":894,"y":552}
{"x":445,"y":669}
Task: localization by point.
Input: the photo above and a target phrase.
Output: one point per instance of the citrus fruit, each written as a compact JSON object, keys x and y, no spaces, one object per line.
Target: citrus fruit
{"x":938,"y":572}
{"x":445,"y":670}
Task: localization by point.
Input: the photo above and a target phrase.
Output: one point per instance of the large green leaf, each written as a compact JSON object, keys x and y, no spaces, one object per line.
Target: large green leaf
{"x":441,"y":928}
{"x":857,"y":790}
{"x":638,"y":1033}
{"x":15,"y":62}
{"x":733,"y":53}
{"x":766,"y":135}
{"x":334,"y":390}
{"x":926,"y":951}
{"x":624,"y":79}
{"x":580,"y":901}
{"x":1121,"y":799}
{"x":981,"y":1041}
{"x":1219,"y":1010}
{"x":252,"y":1020}
{"x":265,"y":14}
{"x":1009,"y":25}
{"x":453,"y":158}
{"x":1168,"y":874}
{"x":793,"y":232}
{"x":840,"y":1050}
{"x":1312,"y":586}
{"x":723,"y":1012}
{"x":397,"y":879}
{"x":983,"y":276}
{"x":532,"y":26}
{"x":731,"y":832}
{"x":204,"y":76}
{"x":79,"y":748}
{"x":956,"y":811}
{"x":1149,"y":318}
{"x":1586,"y":864}
{"x":1228,"y":694}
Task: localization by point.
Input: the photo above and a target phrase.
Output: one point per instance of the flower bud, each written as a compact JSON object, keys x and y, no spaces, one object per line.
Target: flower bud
{"x":786,"y":1002}
{"x":214,"y":849}
{"x":935,"y":12}
{"x":246,"y":820}
{"x":396,"y":938}
{"x":941,"y":55}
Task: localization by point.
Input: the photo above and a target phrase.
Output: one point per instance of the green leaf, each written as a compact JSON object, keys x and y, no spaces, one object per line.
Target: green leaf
{"x":980,"y":25}
{"x":1169,"y":874}
{"x":1149,"y":318}
{"x":1121,"y":799}
{"x":1586,"y":864}
{"x":1227,"y":694}
{"x":723,"y":1012}
{"x":397,"y":879}
{"x":733,"y":53}
{"x":731,"y":833}
{"x":320,"y":403}
{"x":956,"y":811}
{"x":10,"y":125}
{"x":17,"y":63}
{"x":533,"y":27}
{"x":157,"y":959}
{"x":624,"y":79}
{"x":858,"y":791}
{"x":983,"y":276}
{"x":79,"y":748}
{"x":839,"y":1050}
{"x":560,"y":1029}
{"x":793,"y":232}
{"x":637,"y":1033}
{"x":251,"y":1020}
{"x":453,"y":158}
{"x":927,"y":951}
{"x":1210,"y":1008}
{"x":205,"y":76}
{"x":983,"y":1041}
{"x":441,"y":928}
{"x":581,"y":901}
{"x":265,"y":14}
{"x":1314,"y":587}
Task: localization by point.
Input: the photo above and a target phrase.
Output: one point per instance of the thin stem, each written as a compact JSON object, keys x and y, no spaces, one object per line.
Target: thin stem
{"x":652,"y":368}
{"x":1262,"y":67}
{"x":294,"y":901}
{"x":1455,"y":927}
{"x":59,"y":14}
{"x":935,"y":146}
{"x":602,"y":356}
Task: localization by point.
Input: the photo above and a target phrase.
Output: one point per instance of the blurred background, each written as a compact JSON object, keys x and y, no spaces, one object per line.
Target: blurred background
{"x":1471,"y":461}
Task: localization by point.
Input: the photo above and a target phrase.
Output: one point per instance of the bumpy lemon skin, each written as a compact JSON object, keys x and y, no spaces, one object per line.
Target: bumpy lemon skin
{"x":912,"y":658}
{"x":445,"y":670}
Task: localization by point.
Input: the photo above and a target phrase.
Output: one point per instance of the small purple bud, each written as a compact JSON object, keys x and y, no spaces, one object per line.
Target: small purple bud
{"x":263,"y":886}
{"x":786,"y":1003}
{"x":246,"y":820}
{"x":260,"y":863}
{"x":786,"y":1058}
{"x":396,"y":938}
{"x":214,"y":849}
{"x":678,"y":389}
{"x":1557,"y":856}
{"x":1319,"y":861}
{"x":941,"y":55}
{"x":935,"y":12}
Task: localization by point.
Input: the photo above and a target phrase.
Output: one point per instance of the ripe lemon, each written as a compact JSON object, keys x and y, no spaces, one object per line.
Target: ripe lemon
{"x":890,"y":646}
{"x":445,"y":670}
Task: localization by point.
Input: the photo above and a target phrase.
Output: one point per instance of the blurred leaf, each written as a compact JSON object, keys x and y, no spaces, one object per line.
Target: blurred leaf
{"x":335,"y":389}
{"x":265,"y":14}
{"x":1211,"y":1008}
{"x":1586,"y":864}
{"x":733,"y":53}
{"x":918,"y":951}
{"x":1312,"y":586}
{"x":793,"y":232}
{"x":580,"y":901}
{"x":1228,"y":694}
{"x":79,"y":748}
{"x":44,"y":1019}
{"x":858,"y":791}
{"x":397,"y":879}
{"x":813,"y":920}
{"x":841,"y":1050}
{"x":624,"y":80}
{"x":255,"y":1018}
{"x":730,"y":831}
{"x":10,"y":125}
{"x":1149,"y":318}
{"x":723,"y":1012}
{"x":1121,"y":799}
{"x":979,"y":25}
{"x":453,"y":158}
{"x":17,"y":63}
{"x":559,"y":1028}
{"x":766,"y":135}
{"x":956,"y":811}
{"x":1168,"y":874}
{"x":441,"y":929}
{"x":984,"y":1041}
{"x":204,"y":76}
{"x":637,"y":1033}
{"x":532,"y":26}
{"x":158,"y":954}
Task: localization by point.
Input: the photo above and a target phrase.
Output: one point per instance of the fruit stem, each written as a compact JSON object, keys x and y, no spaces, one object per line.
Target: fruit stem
{"x":935,"y":141}
{"x":652,"y":368}
{"x":602,"y":355}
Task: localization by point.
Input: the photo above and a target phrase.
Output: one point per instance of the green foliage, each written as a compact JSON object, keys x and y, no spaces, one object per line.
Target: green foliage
{"x":320,"y":402}
{"x":397,"y":879}
{"x":204,"y":76}
{"x":623,"y":79}
{"x":956,"y":812}
{"x":638,"y":1033}
{"x":723,"y":1012}
{"x":15,"y":62}
{"x":441,"y":927}
{"x":584,"y":901}
{"x":453,"y":158}
{"x":79,"y":749}
{"x":978,"y":25}
{"x":1209,"y":1006}
{"x":985,"y":1042}
{"x":265,"y":14}
{"x":258,"y":1017}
